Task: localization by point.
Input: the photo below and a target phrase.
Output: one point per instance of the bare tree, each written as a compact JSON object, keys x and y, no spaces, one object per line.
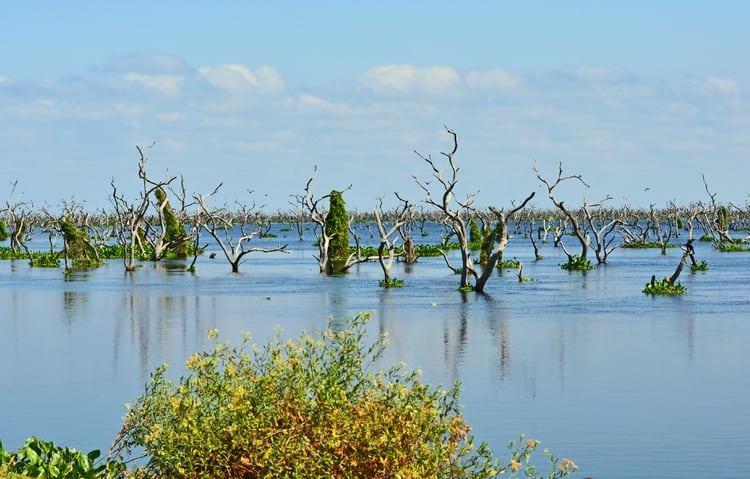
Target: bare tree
{"x":20,"y":220}
{"x":219,"y":223}
{"x":454,"y":217}
{"x":403,"y":216}
{"x":578,"y":231}
{"x":720,"y":217}
{"x":131,"y":222}
{"x":603,"y":227}
{"x":662,"y":229}
{"x":502,"y":225}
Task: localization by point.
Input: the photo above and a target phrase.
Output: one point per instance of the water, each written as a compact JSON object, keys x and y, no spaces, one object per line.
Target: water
{"x":625,"y":384}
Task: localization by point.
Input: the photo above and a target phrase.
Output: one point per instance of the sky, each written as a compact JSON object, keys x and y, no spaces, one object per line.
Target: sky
{"x":642,"y":99}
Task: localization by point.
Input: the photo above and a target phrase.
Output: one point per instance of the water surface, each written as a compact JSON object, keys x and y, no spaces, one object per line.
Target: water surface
{"x":625,"y":384}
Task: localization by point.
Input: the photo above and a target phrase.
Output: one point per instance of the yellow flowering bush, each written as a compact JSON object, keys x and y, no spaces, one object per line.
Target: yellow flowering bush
{"x":314,"y":407}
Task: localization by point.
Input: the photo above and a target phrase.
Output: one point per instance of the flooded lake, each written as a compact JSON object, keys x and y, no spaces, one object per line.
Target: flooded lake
{"x":625,"y":384}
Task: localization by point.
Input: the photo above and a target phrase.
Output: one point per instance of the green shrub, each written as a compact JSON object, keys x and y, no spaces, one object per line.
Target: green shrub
{"x":662,"y":286}
{"x":391,"y":283}
{"x":577,"y":263}
{"x":702,"y":266}
{"x":733,"y":247}
{"x":38,"y":458}
{"x":314,"y":407}
{"x":45,"y":259}
{"x":509,"y":263}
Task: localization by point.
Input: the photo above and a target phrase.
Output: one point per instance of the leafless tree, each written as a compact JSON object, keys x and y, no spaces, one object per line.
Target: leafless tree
{"x":131,"y":222}
{"x":662,"y":229}
{"x":603,"y":227}
{"x":402,"y":217}
{"x":718,"y":214}
{"x":455,"y":212}
{"x":220,"y":223}
{"x":578,"y":231}
{"x":502,"y":224}
{"x":20,"y":220}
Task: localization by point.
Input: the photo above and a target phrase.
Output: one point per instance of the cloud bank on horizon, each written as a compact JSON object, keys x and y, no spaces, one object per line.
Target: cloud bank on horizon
{"x":261,"y":116}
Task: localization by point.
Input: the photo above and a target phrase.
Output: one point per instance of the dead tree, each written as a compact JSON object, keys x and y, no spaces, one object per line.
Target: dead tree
{"x":297,"y":215}
{"x":402,"y":217}
{"x":720,"y":225}
{"x":166,"y":232}
{"x":131,"y":222}
{"x":20,"y":221}
{"x":603,"y":229}
{"x":502,"y":225}
{"x":662,"y":229}
{"x":688,"y":253}
{"x":578,"y":232}
{"x":454,"y":217}
{"x":219,"y":223}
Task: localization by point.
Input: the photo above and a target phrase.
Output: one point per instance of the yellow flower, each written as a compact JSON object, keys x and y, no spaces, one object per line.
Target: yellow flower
{"x":515,"y":466}
{"x":568,"y":464}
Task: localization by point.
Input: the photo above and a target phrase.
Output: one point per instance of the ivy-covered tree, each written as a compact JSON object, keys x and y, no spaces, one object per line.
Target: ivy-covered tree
{"x":337,"y":226}
{"x":319,"y":217}
{"x":78,"y":247}
{"x":174,"y":235}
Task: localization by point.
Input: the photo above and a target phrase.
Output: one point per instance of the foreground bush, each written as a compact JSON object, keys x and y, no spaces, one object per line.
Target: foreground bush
{"x":314,"y":407}
{"x":39,"y":458}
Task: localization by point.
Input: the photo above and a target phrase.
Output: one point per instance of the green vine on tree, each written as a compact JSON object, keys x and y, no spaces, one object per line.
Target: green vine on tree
{"x":337,"y":227}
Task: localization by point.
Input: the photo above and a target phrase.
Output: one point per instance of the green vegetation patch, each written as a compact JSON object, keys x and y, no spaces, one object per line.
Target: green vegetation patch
{"x":311,"y":407}
{"x":38,"y":458}
{"x":577,"y":263}
{"x":662,"y":286}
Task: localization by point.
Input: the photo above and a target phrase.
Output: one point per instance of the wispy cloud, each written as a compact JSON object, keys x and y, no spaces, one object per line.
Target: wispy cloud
{"x":167,"y":84}
{"x":310,"y":104}
{"x":238,"y":78}
{"x":408,"y":78}
{"x":147,"y":63}
{"x":495,"y":79}
{"x":714,"y":84}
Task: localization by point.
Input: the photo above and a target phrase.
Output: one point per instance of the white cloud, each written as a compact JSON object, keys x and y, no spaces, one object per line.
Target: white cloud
{"x":492,"y":79}
{"x":408,"y":78}
{"x":171,"y":116}
{"x":4,"y":79}
{"x":238,"y":78}
{"x":310,"y":103}
{"x":167,"y":84}
{"x":598,"y":73}
{"x":41,"y":109}
{"x":721,"y":85}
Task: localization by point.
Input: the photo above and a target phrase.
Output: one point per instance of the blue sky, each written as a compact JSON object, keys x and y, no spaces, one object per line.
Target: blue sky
{"x":641,"y":98}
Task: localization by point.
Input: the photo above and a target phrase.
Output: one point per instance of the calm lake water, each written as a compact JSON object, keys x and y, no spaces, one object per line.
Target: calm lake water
{"x":624,"y":384}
